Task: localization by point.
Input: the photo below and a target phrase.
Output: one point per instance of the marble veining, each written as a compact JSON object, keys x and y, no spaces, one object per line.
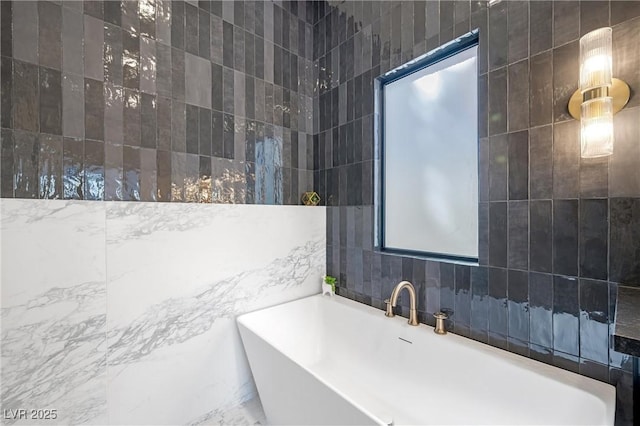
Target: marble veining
{"x":124,"y":313}
{"x":54,"y":354}
{"x":54,"y":309}
{"x":176,"y":320}
{"x":246,"y":414}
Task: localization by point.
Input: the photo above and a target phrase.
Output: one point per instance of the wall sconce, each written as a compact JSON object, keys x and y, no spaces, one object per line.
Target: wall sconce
{"x":599,"y":96}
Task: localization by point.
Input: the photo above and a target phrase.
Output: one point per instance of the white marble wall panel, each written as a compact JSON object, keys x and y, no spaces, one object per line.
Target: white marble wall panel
{"x":138,"y":300}
{"x":53,"y":299}
{"x":178,"y":274}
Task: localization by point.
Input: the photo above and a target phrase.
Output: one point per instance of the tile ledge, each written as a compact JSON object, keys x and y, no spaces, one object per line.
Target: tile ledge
{"x":626,"y":337}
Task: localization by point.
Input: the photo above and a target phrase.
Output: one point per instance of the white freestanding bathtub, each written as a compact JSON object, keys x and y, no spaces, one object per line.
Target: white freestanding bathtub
{"x":323,"y":360}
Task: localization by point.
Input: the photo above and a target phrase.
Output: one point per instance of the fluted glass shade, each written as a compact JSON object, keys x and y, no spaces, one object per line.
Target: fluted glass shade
{"x":595,"y":59}
{"x":597,"y":128}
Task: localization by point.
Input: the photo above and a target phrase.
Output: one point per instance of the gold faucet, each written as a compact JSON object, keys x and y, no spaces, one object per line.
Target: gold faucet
{"x":391,"y":302}
{"x":440,"y":317}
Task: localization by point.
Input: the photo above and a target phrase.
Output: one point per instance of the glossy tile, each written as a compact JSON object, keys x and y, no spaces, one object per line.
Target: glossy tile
{"x":541,"y":309}
{"x":25,"y":97}
{"x":518,"y":165}
{"x":518,"y":235}
{"x":566,"y":160}
{"x":565,"y":74}
{"x":177,"y":75}
{"x":148,"y":65}
{"x":73,"y":169}
{"x":163,"y":21}
{"x":130,"y":16}
{"x":593,"y":233}
{"x":541,"y":163}
{"x":594,"y":177}
{"x":6,"y":91}
{"x":131,"y":117}
{"x":624,"y":176}
{"x":177,"y":24}
{"x":113,"y":54}
{"x":498,"y":36}
{"x":593,"y":15}
{"x":113,"y":161}
{"x":114,"y":114}
{"x":541,"y":21}
{"x":50,"y":167}
{"x":483,"y":234}
{"x":6,"y":170}
{"x":163,"y":70}
{"x":147,"y":12}
{"x":462,"y":302}
{"x":25,"y":31}
{"x":498,"y":160}
{"x":447,"y":291}
{"x":594,"y":319}
{"x":149,"y":120}
{"x":518,"y":95}
{"x":518,"y":33}
{"x":518,"y":306}
{"x":498,"y":101}
{"x":566,"y":361}
{"x":93,"y":48}
{"x":540,"y":87}
{"x":624,"y":10}
{"x":540,"y":236}
{"x":624,"y":266}
{"x":622,"y":380}
{"x":130,"y":60}
{"x":565,"y":26}
{"x":113,"y":13}
{"x":72,"y":44}
{"x":118,"y":45}
{"x":50,"y":35}
{"x":94,"y":154}
{"x":197,"y":75}
{"x":498,"y":234}
{"x":94,"y":8}
{"x":25,"y":164}
{"x":498,"y":305}
{"x":6,"y":36}
{"x":565,"y":237}
{"x":131,"y":174}
{"x":93,"y":109}
{"x":479,"y":299}
{"x":50,"y":101}
{"x":565,"y":315}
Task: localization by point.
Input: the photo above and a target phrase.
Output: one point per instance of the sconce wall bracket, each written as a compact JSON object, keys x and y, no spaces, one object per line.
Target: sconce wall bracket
{"x":619,"y":91}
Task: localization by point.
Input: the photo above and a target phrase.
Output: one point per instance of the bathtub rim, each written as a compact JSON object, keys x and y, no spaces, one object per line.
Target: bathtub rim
{"x":604,"y":392}
{"x":242,"y":321}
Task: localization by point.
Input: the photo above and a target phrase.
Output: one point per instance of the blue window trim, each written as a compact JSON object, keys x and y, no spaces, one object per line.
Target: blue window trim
{"x":441,"y":53}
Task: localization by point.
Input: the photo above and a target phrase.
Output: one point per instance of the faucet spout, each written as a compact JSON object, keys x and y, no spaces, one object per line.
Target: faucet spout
{"x":393,"y":300}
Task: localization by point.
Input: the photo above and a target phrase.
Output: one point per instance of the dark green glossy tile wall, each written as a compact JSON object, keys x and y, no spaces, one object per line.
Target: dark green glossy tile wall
{"x":558,"y":234}
{"x":157,"y":100}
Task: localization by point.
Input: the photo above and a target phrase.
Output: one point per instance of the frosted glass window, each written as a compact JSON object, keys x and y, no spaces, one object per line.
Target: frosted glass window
{"x":430,"y":159}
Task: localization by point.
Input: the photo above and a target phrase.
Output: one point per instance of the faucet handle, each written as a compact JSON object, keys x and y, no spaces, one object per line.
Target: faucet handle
{"x":389,"y":312}
{"x":440,"y":317}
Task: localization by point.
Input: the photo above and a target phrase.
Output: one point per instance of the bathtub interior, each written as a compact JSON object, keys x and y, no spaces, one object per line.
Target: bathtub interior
{"x":374,"y":361}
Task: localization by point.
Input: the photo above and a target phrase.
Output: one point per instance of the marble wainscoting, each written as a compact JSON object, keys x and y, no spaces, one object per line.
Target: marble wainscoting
{"x":124,"y":313}
{"x":53,"y":297}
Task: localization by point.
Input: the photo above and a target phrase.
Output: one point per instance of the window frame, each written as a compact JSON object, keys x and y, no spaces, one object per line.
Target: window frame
{"x":447,"y":50}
